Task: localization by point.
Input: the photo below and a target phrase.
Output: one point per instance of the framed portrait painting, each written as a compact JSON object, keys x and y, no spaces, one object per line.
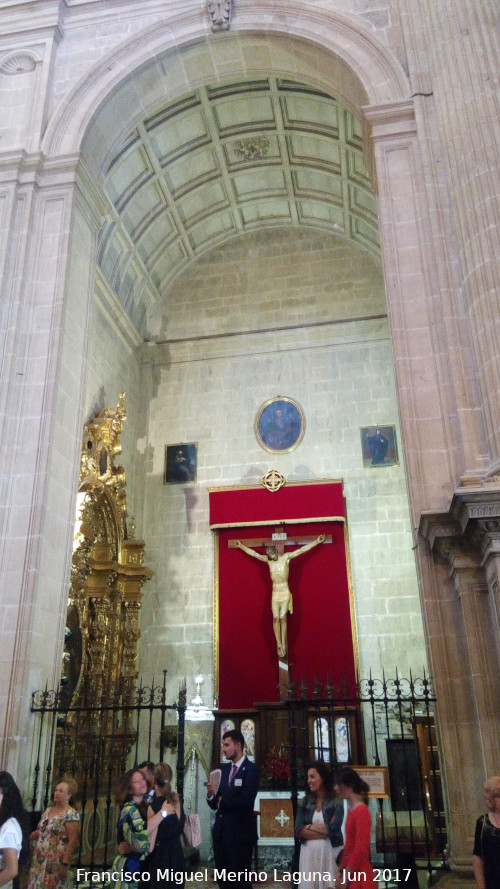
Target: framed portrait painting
{"x":180,"y":463}
{"x":280,"y":425}
{"x":379,"y":446}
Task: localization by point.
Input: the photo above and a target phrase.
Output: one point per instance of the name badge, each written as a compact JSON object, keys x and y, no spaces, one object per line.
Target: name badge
{"x":238,"y":782}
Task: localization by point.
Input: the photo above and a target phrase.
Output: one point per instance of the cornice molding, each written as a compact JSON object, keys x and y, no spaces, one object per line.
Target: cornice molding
{"x":391,"y":119}
{"x":38,"y":19}
{"x":470,"y":527}
{"x":34,"y":168}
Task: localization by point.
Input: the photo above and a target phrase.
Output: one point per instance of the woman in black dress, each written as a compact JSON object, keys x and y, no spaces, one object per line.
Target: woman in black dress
{"x":165,"y":863}
{"x":486,"y":853}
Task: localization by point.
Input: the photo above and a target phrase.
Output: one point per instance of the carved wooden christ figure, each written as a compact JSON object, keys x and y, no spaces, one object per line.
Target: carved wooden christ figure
{"x":281,"y":598}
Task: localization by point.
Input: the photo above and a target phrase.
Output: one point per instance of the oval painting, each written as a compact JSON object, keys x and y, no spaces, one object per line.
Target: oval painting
{"x":280,"y":425}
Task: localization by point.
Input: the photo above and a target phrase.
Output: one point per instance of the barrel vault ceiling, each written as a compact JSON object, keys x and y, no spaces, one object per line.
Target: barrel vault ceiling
{"x":222,"y":161}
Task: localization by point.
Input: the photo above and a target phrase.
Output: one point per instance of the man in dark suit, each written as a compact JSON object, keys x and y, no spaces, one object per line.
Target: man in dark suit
{"x":147,"y":768}
{"x":234,"y":832}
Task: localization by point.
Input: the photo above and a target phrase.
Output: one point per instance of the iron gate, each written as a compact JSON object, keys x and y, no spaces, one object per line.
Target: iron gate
{"x":387,"y":725}
{"x":95,"y":745}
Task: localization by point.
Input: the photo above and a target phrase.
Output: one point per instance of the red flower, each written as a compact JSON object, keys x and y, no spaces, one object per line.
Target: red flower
{"x":276,"y":766}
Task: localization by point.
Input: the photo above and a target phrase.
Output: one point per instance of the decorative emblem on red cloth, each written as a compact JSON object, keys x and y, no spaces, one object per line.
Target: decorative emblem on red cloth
{"x":273,"y":480}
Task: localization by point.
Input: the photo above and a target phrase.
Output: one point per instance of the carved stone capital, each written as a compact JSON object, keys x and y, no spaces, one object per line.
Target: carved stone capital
{"x":471,"y":525}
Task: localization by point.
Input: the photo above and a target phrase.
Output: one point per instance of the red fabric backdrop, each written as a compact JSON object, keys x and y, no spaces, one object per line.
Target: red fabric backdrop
{"x":251,"y":506}
{"x":320,"y":643}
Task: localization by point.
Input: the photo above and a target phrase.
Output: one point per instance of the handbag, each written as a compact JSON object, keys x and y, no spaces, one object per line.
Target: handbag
{"x":192,"y":831}
{"x":191,"y":834}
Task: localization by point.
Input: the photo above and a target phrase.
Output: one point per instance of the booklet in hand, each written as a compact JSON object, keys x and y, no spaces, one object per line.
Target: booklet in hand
{"x":214,"y":779}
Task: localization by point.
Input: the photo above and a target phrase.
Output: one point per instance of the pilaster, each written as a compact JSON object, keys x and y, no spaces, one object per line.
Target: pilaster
{"x":463,"y":547}
{"x":441,"y":419}
{"x":456,"y":77}
{"x":471,"y":145}
{"x":420,"y":388}
{"x":28,"y":42}
{"x":45,"y":302}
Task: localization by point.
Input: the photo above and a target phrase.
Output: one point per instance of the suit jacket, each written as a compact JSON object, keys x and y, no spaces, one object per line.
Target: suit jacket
{"x":235,"y":818}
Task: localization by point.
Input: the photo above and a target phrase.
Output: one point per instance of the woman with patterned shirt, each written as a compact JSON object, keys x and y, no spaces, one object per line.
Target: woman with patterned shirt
{"x":55,"y":840}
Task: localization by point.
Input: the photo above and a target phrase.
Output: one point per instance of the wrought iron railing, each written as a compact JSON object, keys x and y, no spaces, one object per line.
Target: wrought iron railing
{"x":95,"y":745}
{"x":387,"y":724}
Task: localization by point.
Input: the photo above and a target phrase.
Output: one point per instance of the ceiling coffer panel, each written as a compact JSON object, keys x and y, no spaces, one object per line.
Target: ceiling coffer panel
{"x":223,"y":160}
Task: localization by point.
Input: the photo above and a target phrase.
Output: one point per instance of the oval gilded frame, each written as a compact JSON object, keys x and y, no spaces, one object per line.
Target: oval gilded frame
{"x":280,"y":425}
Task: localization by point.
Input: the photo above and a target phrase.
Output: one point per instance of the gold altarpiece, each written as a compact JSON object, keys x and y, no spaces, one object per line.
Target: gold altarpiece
{"x":107,"y":576}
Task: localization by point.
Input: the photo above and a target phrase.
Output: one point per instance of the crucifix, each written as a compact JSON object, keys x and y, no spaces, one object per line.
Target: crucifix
{"x":278,"y":561}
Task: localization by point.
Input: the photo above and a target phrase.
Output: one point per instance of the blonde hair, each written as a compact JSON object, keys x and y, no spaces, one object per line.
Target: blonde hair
{"x":162,"y":774}
{"x":71,"y":783}
{"x":492,"y":785}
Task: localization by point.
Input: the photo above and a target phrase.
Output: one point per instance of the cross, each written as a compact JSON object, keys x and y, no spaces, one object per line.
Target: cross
{"x":279,"y":539}
{"x":278,"y":562}
{"x":282,"y":818}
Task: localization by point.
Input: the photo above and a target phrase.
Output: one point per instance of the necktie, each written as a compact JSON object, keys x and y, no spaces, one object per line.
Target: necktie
{"x":234,"y":769}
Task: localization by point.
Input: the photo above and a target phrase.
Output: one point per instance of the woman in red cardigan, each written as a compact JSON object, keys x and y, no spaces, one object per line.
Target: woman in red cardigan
{"x":355,"y":865}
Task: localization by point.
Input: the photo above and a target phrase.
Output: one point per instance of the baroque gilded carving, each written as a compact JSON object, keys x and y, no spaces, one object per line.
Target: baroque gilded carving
{"x":107,"y":578}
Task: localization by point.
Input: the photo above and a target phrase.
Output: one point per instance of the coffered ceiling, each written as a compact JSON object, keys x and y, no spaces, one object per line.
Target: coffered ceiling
{"x":222,"y":161}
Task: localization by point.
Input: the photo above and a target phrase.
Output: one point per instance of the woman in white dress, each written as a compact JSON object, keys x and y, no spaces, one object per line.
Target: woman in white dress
{"x":318,"y":827}
{"x":11,"y":837}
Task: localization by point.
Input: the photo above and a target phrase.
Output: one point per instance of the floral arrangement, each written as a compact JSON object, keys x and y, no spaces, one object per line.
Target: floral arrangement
{"x":275,"y":770}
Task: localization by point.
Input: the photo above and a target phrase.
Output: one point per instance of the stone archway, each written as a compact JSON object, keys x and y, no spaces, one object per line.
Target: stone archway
{"x":68,"y":220}
{"x":361,"y":69}
{"x":332,"y":52}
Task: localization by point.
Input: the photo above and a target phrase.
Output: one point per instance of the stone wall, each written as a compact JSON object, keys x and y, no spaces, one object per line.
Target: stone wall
{"x":316,"y":306}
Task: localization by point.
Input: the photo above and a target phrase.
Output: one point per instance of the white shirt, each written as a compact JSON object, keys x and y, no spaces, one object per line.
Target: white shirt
{"x":11,"y":837}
